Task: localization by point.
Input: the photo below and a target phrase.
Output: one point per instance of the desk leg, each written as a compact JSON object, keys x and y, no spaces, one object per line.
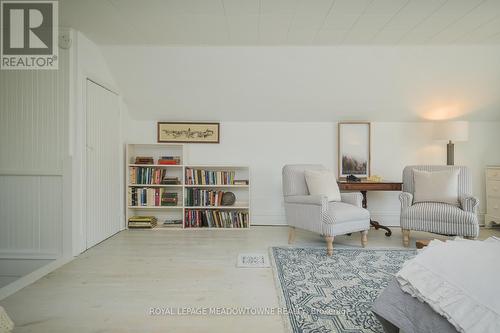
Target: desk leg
{"x":375,"y":224}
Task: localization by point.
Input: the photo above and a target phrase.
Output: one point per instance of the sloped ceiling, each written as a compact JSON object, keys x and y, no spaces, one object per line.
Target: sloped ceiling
{"x":298,"y":60}
{"x":284,"y":22}
{"x":308,"y":83}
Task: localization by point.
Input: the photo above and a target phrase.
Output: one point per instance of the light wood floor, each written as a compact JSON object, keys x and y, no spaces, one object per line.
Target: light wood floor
{"x":112,"y":287}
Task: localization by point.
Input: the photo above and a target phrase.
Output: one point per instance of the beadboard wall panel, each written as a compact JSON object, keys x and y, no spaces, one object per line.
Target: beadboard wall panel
{"x":33,"y":119}
{"x":34,"y":110}
{"x":31,"y":216}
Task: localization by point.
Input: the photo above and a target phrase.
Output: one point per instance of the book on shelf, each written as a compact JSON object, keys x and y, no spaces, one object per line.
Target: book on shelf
{"x":169,"y":160}
{"x":170,"y":181}
{"x":240,"y":182}
{"x":172,"y":223}
{"x":202,"y":197}
{"x":151,"y":176}
{"x":142,"y":222}
{"x":152,"y":197}
{"x":195,"y":218}
{"x":144,"y":160}
{"x":209,"y":177}
{"x":169,"y":199}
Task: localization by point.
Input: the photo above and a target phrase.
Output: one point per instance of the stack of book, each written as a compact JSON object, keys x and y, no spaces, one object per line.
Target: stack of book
{"x":199,"y":197}
{"x":147,"y":196}
{"x":169,"y":199}
{"x":142,"y":222}
{"x":170,"y":181}
{"x":144,"y":160}
{"x":168,"y":223}
{"x":209,"y":177}
{"x":169,"y":160}
{"x":215,"y":219}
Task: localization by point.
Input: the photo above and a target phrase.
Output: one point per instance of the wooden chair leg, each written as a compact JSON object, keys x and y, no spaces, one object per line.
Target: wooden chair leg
{"x":406,"y":237}
{"x":364,"y":238}
{"x":291,"y":235}
{"x":329,"y":245}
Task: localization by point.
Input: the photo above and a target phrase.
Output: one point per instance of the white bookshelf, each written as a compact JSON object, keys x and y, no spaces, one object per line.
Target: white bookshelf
{"x":241,"y":191}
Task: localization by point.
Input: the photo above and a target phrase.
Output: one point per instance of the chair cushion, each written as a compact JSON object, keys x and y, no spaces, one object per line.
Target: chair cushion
{"x":341,"y":212}
{"x":434,"y":213}
{"x":322,"y":182}
{"x":436,"y":186}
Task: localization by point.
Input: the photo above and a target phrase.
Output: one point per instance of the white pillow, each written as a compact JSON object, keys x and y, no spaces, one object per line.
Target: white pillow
{"x":322,"y":182}
{"x":436,"y":186}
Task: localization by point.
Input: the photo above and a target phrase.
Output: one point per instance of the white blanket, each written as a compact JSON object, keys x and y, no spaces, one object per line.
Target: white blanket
{"x":459,"y":280}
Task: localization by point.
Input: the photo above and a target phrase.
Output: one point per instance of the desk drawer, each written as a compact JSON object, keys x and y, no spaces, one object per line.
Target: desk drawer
{"x":493,"y":206}
{"x":493,"y":188}
{"x":493,"y":174}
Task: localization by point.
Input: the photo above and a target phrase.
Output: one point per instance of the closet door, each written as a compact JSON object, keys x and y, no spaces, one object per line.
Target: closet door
{"x":103,"y":142}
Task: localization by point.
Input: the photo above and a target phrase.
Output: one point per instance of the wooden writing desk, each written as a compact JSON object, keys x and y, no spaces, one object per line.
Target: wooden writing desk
{"x":365,"y":186}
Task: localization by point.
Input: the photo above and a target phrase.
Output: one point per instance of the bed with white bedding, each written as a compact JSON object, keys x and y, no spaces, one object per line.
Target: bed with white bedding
{"x":448,"y":287}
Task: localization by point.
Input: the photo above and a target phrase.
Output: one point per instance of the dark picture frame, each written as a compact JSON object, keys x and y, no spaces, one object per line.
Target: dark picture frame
{"x":188,"y":132}
{"x":354,"y":149}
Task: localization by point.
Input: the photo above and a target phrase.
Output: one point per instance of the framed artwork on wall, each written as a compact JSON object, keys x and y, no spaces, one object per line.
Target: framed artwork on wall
{"x":354,"y":150}
{"x":188,"y":132}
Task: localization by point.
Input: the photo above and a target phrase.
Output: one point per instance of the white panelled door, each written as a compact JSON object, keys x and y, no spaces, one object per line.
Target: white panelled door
{"x":103,"y":164}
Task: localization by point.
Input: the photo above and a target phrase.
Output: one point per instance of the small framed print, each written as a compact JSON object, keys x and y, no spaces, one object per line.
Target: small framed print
{"x":195,"y":132}
{"x":354,"y":151}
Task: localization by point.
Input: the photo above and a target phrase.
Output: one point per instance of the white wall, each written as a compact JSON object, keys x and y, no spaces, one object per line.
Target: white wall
{"x":267,"y":146}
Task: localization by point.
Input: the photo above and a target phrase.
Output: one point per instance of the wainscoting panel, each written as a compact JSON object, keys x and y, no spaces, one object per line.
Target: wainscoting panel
{"x":30,"y":216}
{"x":34,"y":113}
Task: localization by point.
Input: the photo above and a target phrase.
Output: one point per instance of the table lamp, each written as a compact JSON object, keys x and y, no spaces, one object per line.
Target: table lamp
{"x":451,"y":131}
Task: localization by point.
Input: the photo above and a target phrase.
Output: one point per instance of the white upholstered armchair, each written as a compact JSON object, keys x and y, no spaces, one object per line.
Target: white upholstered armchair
{"x":436,"y":217}
{"x":315,"y":213}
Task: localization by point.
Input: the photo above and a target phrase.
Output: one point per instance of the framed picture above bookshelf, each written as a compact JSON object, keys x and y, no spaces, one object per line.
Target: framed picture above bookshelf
{"x":197,"y":132}
{"x":178,"y":195}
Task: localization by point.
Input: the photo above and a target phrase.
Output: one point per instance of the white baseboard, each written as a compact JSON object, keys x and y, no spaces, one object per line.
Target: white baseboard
{"x":267,"y":219}
{"x":32,"y":277}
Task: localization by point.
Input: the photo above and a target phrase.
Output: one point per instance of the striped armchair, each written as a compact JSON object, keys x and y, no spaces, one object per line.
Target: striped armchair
{"x":316,"y":214}
{"x":439,"y":218}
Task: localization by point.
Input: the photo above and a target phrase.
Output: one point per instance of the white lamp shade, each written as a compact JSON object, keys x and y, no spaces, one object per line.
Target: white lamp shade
{"x":451,"y":131}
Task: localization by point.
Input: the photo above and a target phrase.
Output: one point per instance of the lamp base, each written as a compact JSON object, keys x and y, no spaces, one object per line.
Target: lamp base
{"x":450,"y":153}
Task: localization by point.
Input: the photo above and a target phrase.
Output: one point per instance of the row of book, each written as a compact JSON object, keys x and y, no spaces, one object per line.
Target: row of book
{"x":200,"y":197}
{"x":153,"y":176}
{"x":215,"y":219}
{"x":142,"y":222}
{"x":138,"y":196}
{"x":209,"y":177}
{"x":163,"y":160}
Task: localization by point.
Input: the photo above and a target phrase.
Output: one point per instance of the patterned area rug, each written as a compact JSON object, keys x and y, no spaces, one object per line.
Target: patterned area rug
{"x":334,"y":294}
